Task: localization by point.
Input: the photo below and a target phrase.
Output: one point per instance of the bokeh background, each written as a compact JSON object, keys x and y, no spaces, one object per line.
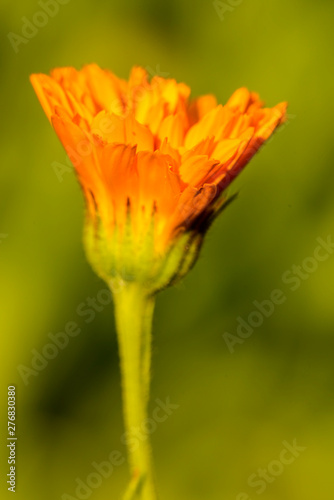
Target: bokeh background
{"x":235,"y":409}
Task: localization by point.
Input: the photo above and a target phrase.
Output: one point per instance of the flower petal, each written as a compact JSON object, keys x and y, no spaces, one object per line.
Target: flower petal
{"x":206,"y":127}
{"x":106,"y":89}
{"x":112,"y":128}
{"x":158,"y":184}
{"x":172,"y":128}
{"x":195,"y":168}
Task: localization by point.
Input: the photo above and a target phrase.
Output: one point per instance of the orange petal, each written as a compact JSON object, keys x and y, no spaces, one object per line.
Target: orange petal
{"x":157,"y":183}
{"x":273,"y":118}
{"x":232,"y":166}
{"x":206,"y":127}
{"x":80,"y":149}
{"x":172,"y":128}
{"x":138,"y":135}
{"x":109,"y":127}
{"x":205,"y":147}
{"x":201,"y":106}
{"x":50,"y":94}
{"x":118,"y":169}
{"x":192,"y":202}
{"x":226,"y":149}
{"x":240,"y":125}
{"x":138,"y":77}
{"x":195,"y":168}
{"x":239,"y":100}
{"x":74,"y":84}
{"x":105,"y":87}
{"x":112,"y":128}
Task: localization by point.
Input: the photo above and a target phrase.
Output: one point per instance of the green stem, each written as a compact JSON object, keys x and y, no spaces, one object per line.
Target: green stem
{"x":133,"y":313}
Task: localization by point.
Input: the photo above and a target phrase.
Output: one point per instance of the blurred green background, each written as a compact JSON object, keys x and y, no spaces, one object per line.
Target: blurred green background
{"x":235,"y":409}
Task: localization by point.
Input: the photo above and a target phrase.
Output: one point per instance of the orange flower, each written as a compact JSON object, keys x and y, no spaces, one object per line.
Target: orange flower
{"x":145,"y":154}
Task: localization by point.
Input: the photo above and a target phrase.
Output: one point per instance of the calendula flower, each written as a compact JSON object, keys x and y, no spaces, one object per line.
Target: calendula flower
{"x":153,"y":165}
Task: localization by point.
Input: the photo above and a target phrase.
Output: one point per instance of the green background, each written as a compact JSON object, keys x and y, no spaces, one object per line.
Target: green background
{"x":235,"y":409}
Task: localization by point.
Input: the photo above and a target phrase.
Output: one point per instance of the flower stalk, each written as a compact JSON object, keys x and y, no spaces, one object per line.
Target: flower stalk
{"x":133,"y":314}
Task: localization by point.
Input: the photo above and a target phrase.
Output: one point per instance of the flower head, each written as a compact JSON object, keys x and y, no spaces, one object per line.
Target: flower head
{"x":152,"y":163}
